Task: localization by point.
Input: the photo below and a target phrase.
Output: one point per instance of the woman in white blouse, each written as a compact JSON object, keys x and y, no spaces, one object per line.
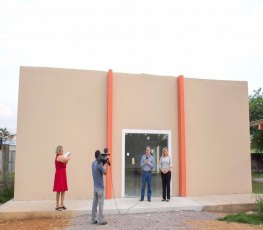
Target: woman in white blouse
{"x":165,"y":167}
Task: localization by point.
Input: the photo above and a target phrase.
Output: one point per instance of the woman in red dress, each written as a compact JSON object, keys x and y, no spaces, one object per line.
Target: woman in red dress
{"x":60,"y":181}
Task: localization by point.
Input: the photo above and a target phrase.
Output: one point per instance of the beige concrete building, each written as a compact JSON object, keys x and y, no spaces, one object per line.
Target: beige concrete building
{"x":204,"y":123}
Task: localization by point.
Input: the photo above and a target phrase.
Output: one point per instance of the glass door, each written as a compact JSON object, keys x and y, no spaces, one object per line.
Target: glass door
{"x":135,"y":144}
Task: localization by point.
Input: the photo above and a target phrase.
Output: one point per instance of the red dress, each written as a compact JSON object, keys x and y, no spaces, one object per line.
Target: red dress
{"x":60,"y":181}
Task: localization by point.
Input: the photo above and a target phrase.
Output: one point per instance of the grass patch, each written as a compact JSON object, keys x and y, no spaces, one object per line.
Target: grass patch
{"x":243,"y":218}
{"x":257,"y":175}
{"x":257,"y":187}
{"x":6,"y":195}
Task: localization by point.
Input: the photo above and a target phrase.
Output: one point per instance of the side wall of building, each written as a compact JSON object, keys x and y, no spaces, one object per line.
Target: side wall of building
{"x":217,"y":137}
{"x":58,"y":107}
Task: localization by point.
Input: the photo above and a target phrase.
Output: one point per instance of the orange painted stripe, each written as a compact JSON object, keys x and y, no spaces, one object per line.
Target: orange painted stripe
{"x":109,"y":135}
{"x":181,"y":136}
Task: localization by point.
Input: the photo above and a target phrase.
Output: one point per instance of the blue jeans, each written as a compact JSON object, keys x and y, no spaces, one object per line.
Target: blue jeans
{"x":146,"y":178}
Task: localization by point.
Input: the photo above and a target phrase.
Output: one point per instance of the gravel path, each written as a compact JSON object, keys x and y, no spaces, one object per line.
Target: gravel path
{"x":184,"y":220}
{"x":163,"y":220}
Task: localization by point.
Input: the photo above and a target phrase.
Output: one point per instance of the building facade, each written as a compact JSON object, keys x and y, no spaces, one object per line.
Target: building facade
{"x":204,"y":123}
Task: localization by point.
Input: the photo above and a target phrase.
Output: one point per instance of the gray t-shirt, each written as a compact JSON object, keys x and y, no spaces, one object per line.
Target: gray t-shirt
{"x":97,"y":173}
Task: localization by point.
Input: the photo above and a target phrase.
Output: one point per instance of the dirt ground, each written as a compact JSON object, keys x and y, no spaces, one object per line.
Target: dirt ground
{"x":171,"y":220}
{"x":221,"y":225}
{"x":34,"y":224}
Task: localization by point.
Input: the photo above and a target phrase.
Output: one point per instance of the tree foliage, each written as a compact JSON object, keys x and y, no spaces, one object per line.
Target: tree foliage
{"x":4,"y":133}
{"x":256,"y":113}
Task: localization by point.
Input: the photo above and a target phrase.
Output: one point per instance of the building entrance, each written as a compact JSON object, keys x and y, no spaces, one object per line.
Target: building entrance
{"x":134,"y":149}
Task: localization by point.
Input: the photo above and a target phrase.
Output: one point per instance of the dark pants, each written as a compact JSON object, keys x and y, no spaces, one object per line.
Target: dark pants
{"x":146,"y":178}
{"x":166,"y":180}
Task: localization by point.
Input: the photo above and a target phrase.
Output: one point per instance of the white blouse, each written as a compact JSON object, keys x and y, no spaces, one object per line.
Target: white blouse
{"x":165,"y":163}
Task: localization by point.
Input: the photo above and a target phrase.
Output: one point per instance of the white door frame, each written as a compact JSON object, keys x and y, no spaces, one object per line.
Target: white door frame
{"x":148,"y":131}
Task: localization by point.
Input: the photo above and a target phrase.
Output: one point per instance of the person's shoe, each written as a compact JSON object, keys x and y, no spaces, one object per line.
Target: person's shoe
{"x":94,"y":222}
{"x":149,"y":200}
{"x":64,"y":207}
{"x":58,"y":209}
{"x":103,"y":223}
{"x":141,"y":199}
{"x":163,"y":200}
{"x":168,"y":200}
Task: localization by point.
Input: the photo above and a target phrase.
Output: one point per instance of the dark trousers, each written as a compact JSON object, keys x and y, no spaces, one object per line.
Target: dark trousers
{"x":146,"y":178}
{"x":166,"y":181}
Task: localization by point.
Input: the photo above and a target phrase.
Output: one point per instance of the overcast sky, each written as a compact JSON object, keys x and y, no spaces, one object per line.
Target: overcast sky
{"x":200,"y":39}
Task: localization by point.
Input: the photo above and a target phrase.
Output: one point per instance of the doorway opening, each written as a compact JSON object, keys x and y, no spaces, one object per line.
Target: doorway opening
{"x":133,"y":148}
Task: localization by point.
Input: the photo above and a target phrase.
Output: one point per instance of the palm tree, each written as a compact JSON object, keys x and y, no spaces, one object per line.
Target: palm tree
{"x":4,"y":133}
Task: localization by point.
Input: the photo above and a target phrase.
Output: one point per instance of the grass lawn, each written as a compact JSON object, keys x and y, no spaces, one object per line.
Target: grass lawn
{"x":257,"y":187}
{"x":243,"y":218}
{"x":257,"y":175}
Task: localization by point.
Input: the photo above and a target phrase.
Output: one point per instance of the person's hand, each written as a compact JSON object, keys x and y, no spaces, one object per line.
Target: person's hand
{"x":108,"y":161}
{"x":67,"y":159}
{"x":147,"y":162}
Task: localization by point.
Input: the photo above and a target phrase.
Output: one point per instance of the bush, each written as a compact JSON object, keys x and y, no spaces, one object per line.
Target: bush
{"x":259,"y":205}
{"x":6,"y":195}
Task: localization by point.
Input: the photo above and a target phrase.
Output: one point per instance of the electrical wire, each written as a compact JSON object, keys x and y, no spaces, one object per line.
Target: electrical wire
{"x":127,"y":211}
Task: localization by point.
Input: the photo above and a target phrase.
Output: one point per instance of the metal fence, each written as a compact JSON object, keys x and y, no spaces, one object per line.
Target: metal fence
{"x":7,"y":166}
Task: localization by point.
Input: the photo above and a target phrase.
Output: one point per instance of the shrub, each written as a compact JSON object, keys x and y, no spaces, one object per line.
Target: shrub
{"x":259,"y":205}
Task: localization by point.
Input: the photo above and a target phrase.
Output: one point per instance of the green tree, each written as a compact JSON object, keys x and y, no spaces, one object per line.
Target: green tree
{"x":4,"y":133}
{"x":256,"y":113}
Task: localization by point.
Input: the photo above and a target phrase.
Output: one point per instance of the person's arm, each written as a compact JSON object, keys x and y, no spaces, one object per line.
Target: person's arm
{"x":106,"y":166}
{"x":170,"y":164}
{"x":142,"y":162}
{"x":160,"y":165}
{"x":63,"y":159}
{"x":151,"y":162}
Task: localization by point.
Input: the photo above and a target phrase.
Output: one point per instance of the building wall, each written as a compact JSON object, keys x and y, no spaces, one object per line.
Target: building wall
{"x":69,"y":107}
{"x":144,"y":102}
{"x":58,"y":107}
{"x":217,"y":137}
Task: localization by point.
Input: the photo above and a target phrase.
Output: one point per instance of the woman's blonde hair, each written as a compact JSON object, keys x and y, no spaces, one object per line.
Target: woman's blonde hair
{"x":58,"y":149}
{"x":165,"y":148}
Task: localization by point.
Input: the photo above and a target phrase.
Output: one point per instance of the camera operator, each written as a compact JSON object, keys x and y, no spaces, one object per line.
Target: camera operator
{"x":99,"y":168}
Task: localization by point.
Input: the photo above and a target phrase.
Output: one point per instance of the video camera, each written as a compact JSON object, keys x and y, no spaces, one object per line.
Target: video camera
{"x":103,"y":157}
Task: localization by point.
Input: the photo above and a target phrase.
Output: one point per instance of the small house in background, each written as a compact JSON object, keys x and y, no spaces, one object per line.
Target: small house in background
{"x":204,"y":124}
{"x":258,"y":124}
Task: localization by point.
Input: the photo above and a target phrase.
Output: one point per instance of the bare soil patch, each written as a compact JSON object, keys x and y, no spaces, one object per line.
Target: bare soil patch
{"x":34,"y":224}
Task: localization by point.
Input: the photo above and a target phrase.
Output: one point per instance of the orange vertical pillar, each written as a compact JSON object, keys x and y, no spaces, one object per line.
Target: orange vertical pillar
{"x":109,"y":135}
{"x":181,"y":136}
